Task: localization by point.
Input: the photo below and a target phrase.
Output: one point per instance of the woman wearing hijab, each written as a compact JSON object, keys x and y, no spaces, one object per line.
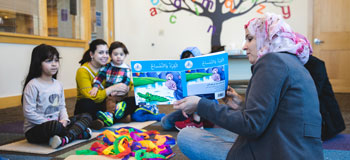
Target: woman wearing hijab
{"x":280,"y":118}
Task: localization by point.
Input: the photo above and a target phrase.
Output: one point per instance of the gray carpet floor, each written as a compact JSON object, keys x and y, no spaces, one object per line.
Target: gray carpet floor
{"x":13,"y":117}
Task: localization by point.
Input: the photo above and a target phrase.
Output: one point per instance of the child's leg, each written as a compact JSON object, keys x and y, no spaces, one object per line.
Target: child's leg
{"x":107,"y":117}
{"x":110,"y":104}
{"x":142,"y":115}
{"x":77,"y":129}
{"x":130,"y":106}
{"x":168,"y":121}
{"x":43,"y":132}
{"x":78,"y":126}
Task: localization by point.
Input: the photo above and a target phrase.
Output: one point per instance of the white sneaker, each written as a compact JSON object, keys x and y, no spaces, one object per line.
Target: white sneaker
{"x":55,"y":141}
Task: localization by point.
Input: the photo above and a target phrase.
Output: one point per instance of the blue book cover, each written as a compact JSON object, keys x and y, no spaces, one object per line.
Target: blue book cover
{"x":166,"y":81}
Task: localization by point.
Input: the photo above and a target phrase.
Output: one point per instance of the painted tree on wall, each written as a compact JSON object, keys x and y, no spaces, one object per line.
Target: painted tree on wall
{"x":218,"y":11}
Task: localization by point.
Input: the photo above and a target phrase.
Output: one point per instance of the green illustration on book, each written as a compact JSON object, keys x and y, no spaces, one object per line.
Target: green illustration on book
{"x":193,"y":76}
{"x":139,"y":81}
{"x":151,"y":97}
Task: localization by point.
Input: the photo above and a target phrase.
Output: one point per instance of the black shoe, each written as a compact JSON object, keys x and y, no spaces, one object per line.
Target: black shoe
{"x":96,"y":124}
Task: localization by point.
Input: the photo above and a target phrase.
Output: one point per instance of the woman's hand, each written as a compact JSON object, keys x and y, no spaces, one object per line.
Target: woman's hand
{"x":232,"y":99}
{"x":188,"y":105}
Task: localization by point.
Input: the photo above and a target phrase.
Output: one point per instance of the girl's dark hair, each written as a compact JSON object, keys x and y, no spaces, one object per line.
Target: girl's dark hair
{"x":118,"y":44}
{"x":92,"y":48}
{"x":39,"y":54}
{"x":186,"y":54}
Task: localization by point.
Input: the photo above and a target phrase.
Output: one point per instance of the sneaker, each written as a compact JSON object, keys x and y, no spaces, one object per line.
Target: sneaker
{"x":57,"y":141}
{"x":150,"y":108}
{"x":119,"y":110}
{"x":96,"y":124}
{"x":189,"y":122}
{"x":207,"y":124}
{"x":106,"y":117}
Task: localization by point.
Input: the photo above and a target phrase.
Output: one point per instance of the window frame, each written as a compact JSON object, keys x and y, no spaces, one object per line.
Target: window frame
{"x":85,"y":19}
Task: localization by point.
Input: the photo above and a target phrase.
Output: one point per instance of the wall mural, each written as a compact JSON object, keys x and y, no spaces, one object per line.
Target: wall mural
{"x":218,"y":11}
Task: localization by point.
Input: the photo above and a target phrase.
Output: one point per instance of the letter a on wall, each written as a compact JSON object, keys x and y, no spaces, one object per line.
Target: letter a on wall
{"x":153,"y":11}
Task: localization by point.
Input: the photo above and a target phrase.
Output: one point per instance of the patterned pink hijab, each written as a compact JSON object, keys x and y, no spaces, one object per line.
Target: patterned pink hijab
{"x":273,"y":34}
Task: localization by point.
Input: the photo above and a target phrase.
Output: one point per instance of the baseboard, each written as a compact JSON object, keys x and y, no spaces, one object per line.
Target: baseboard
{"x":14,"y":101}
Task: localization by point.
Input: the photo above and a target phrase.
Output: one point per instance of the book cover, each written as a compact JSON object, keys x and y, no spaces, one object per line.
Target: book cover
{"x":163,"y":82}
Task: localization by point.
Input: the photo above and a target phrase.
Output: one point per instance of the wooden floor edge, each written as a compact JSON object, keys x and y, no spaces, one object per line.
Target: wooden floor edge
{"x":14,"y":101}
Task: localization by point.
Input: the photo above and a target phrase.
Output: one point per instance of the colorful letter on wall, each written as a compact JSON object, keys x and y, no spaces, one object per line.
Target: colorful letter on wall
{"x":154,"y":3}
{"x":213,"y":29}
{"x":209,"y":3}
{"x":286,"y":15}
{"x":195,"y":7}
{"x":172,"y":19}
{"x":229,"y":5}
{"x":261,"y":8}
{"x":153,"y":11}
{"x":178,"y":4}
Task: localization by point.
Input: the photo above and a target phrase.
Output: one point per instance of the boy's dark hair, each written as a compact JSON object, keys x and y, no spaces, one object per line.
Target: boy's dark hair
{"x":39,"y":54}
{"x":118,"y":44}
{"x":186,"y":54}
{"x":92,"y":48}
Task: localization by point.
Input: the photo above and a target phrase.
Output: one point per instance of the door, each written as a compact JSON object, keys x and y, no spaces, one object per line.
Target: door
{"x":331,"y":27}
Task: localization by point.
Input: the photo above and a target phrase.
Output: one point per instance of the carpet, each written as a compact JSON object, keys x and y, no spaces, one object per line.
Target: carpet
{"x":12,"y":127}
{"x":10,"y":137}
{"x":336,"y":154}
{"x":339,"y":142}
{"x":337,"y":148}
{"x":22,"y":157}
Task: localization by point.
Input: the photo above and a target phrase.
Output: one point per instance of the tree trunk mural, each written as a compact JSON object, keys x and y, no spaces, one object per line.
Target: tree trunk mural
{"x":219,"y":11}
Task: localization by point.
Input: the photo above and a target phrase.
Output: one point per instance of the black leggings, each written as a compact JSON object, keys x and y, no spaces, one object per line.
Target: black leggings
{"x":43,"y":132}
{"x":89,"y":106}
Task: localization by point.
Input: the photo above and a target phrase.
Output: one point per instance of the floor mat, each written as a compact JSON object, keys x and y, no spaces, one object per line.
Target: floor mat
{"x":24,"y":146}
{"x":91,"y":157}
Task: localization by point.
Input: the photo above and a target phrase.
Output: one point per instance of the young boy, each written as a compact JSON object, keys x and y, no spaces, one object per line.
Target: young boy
{"x":114,"y":72}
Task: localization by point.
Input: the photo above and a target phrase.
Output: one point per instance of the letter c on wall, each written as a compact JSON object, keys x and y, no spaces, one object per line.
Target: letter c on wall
{"x":154,"y":3}
{"x":172,"y":19}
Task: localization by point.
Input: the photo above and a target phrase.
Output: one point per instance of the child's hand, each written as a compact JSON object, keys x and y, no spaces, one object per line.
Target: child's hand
{"x":64,"y":122}
{"x":93,"y":91}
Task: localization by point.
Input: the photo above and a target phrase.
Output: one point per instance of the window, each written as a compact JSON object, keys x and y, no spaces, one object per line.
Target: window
{"x":19,"y":16}
{"x":97,"y":19}
{"x":63,"y":18}
{"x":56,"y":22}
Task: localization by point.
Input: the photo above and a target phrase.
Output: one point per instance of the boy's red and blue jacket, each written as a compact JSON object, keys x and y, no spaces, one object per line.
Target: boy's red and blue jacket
{"x":113,"y":74}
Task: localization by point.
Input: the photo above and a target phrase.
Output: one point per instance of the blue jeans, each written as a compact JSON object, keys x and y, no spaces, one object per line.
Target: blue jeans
{"x":168,"y":121}
{"x":206,"y":144}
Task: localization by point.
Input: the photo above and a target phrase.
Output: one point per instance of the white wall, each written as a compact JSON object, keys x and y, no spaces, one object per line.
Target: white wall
{"x":139,"y":30}
{"x":15,"y":61}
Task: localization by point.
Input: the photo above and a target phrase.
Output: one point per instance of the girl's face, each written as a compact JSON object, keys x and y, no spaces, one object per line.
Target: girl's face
{"x":250,"y":47}
{"x":100,"y":56}
{"x":118,"y":56}
{"x":50,"y":66}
